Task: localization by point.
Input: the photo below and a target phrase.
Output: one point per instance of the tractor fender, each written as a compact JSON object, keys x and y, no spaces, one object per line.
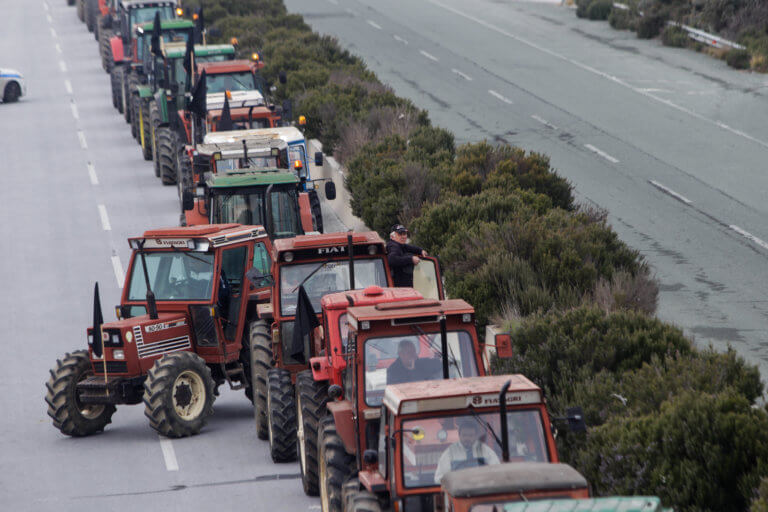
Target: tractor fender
{"x":345,"y":425}
{"x":319,"y":367}
{"x":118,"y":53}
{"x":305,"y":210}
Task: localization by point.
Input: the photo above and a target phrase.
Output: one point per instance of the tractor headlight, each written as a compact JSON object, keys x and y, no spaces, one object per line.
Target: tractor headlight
{"x":118,"y":354}
{"x":90,"y":339}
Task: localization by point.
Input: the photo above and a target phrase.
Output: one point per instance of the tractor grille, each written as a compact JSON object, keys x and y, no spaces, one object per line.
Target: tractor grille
{"x":161,"y":347}
{"x":112,"y":367}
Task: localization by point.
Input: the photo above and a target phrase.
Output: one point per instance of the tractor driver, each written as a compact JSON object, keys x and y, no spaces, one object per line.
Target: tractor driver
{"x":467,"y":452}
{"x":409,"y":367}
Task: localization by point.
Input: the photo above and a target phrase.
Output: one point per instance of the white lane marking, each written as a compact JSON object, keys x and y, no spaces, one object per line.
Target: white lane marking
{"x":92,"y":174}
{"x":169,"y":454}
{"x":544,"y":122}
{"x":462,"y":75}
{"x":68,"y":86}
{"x":373,"y":24}
{"x":104,"y":218}
{"x":670,"y":192}
{"x":53,"y":32}
{"x":749,"y":236}
{"x":63,"y":66}
{"x":350,"y":11}
{"x":400,"y":39}
{"x":46,"y":6}
{"x":429,"y":56}
{"x":81,"y":136}
{"x":118,"y":268}
{"x":58,"y":48}
{"x":334,"y":2}
{"x":49,"y":18}
{"x":75,"y":113}
{"x":599,"y":73}
{"x":601,"y":153}
{"x":499,"y":96}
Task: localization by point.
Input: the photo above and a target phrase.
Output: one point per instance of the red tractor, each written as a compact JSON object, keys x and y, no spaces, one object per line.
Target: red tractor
{"x":184,"y":309}
{"x":429,"y":429}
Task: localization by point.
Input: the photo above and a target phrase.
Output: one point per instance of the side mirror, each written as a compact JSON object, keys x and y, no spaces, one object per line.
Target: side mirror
{"x":334,"y":391}
{"x":187,"y":200}
{"x":282,"y":77}
{"x":330,"y":190}
{"x":370,"y":457}
{"x":319,"y":158}
{"x":287,"y":109}
{"x":575,"y":417}
{"x":273,"y":89}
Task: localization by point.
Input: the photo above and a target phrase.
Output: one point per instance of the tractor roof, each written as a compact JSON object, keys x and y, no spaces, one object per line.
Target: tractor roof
{"x":187,"y":237}
{"x":608,"y":504}
{"x":147,"y":27}
{"x":177,"y":50}
{"x":238,"y":135}
{"x":370,"y":295}
{"x":287,"y":133}
{"x":133,"y":4}
{"x":242,"y":113}
{"x":328,"y":240}
{"x":426,"y":310}
{"x":231,"y":147}
{"x":252,"y":178}
{"x":227,"y":66}
{"x":452,"y":394}
{"x":512,"y":477}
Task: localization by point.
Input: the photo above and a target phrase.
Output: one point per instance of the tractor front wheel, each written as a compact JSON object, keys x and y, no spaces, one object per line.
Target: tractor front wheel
{"x":311,"y":398}
{"x":81,"y":10}
{"x":154,"y":124}
{"x":282,"y":416}
{"x":178,"y":394}
{"x":145,"y":129}
{"x":69,"y":415}
{"x":362,"y":501}
{"x":317,"y":213}
{"x":165,"y":154}
{"x":90,"y":14}
{"x":105,"y":50}
{"x":335,"y":466}
{"x":261,"y":362}
{"x":116,"y":80}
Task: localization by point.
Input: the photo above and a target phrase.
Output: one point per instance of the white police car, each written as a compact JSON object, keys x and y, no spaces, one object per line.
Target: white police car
{"x":12,"y":86}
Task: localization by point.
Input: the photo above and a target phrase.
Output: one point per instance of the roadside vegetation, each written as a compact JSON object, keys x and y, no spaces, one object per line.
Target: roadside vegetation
{"x":741,"y":21}
{"x":666,"y":418}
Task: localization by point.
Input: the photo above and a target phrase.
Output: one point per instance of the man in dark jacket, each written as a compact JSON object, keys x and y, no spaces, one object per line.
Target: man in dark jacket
{"x":402,"y":256}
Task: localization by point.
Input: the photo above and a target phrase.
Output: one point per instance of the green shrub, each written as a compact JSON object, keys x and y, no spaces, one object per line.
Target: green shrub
{"x":760,"y":502}
{"x":738,"y":59}
{"x":701,"y":452}
{"x":622,"y":19}
{"x":650,"y":25}
{"x":599,"y":9}
{"x":582,"y":6}
{"x":675,"y":36}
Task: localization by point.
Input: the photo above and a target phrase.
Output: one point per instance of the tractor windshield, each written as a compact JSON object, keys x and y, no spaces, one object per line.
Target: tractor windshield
{"x":247,"y":207}
{"x":180,"y":74}
{"x":177,"y":275}
{"x":254,"y":162}
{"x":436,"y":445}
{"x":416,"y":357}
{"x":145,"y":14}
{"x":221,"y":82}
{"x":326,"y":277}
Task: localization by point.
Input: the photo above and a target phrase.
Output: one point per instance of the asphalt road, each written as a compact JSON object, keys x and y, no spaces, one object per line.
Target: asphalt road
{"x":672,"y":143}
{"x":77,"y":187}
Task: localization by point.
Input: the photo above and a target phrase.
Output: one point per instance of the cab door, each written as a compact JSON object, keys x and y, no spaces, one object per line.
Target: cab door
{"x":427,"y":278}
{"x":232,"y":291}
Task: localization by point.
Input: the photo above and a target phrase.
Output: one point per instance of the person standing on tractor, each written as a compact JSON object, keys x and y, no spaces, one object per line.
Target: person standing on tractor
{"x":402,"y":256}
{"x":467,"y":452}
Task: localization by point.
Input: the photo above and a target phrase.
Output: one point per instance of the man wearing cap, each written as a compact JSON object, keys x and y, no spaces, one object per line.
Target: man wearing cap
{"x":402,"y":256}
{"x":467,"y":452}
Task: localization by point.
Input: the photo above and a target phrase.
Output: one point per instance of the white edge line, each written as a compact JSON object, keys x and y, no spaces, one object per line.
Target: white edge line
{"x":81,"y":136}
{"x":75,"y":113}
{"x":92,"y":174}
{"x":462,"y":74}
{"x":601,"y":153}
{"x":499,"y":96}
{"x":118,"y":268}
{"x":400,"y":39}
{"x":68,"y":86}
{"x":749,"y":236}
{"x":429,"y":56}
{"x":373,"y":24}
{"x":169,"y":455}
{"x":104,"y":218}
{"x":670,"y":192}
{"x":544,"y":121}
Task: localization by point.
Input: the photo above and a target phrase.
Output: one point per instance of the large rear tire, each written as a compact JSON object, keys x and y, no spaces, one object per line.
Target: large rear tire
{"x":116,"y":80}
{"x":178,"y":394}
{"x":68,"y":414}
{"x":317,"y":212}
{"x":145,"y":128}
{"x":105,"y":49}
{"x":261,"y":363}
{"x":184,"y":174}
{"x":282,"y":415}
{"x":90,"y":14}
{"x":335,"y":466}
{"x":165,"y":154}
{"x":311,"y":400}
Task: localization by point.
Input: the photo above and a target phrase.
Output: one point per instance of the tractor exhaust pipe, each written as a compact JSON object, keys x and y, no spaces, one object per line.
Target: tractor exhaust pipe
{"x":444,"y":346}
{"x":350,"y":254}
{"x":503,"y":413}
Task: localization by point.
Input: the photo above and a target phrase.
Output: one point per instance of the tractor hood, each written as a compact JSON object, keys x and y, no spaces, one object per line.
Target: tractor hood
{"x":238,"y":99}
{"x":167,"y":333}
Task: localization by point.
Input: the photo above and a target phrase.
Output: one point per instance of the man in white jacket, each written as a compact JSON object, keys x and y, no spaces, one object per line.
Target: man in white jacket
{"x":467,"y":452}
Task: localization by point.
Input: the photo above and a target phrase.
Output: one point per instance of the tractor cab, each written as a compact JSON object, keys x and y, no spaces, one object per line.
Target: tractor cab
{"x":131,"y":13}
{"x":172,"y":31}
{"x":608,"y":504}
{"x":428,"y":429}
{"x":483,"y":487}
{"x":238,"y":81}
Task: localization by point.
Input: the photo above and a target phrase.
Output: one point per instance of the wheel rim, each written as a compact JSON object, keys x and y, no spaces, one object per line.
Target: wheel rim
{"x":326,"y":506}
{"x":188,"y":395}
{"x":300,"y":436}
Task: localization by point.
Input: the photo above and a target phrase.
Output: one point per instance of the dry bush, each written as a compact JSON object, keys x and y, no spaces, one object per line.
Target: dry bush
{"x":420,"y":188}
{"x":375,"y":127}
{"x":345,"y":79}
{"x":596,"y":214}
{"x":639,"y":292}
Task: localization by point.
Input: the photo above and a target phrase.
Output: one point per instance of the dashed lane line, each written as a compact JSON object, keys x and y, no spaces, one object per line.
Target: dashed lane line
{"x":63,"y":66}
{"x":58,"y":48}
{"x":92,"y":174}
{"x":169,"y":455}
{"x":104,"y":218}
{"x":68,"y":86}
{"x":400,"y":39}
{"x":601,"y":153}
{"x":670,"y":192}
{"x":544,"y":122}
{"x":429,"y":56}
{"x":334,"y":2}
{"x":81,"y":136}
{"x":75,"y":113}
{"x":53,"y":32}
{"x":749,"y":236}
{"x":499,"y":96}
{"x":462,"y":74}
{"x":373,"y":24}
{"x":49,"y":18}
{"x":118,"y":268}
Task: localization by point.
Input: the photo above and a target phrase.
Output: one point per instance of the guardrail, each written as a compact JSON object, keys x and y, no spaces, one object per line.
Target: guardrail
{"x":694,"y":33}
